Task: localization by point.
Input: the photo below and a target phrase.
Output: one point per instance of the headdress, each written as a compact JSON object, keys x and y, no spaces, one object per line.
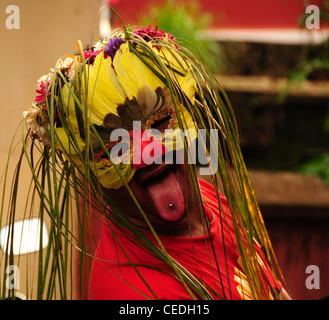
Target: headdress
{"x":132,"y":81}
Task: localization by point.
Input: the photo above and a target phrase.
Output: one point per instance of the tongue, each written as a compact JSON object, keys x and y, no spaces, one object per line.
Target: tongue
{"x":167,"y":196}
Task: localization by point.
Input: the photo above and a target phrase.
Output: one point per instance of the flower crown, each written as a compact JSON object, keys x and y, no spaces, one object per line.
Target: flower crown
{"x":130,"y":76}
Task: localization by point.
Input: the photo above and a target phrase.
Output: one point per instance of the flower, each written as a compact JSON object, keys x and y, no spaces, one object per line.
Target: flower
{"x":33,"y":119}
{"x":149,"y":34}
{"x":113,"y":46}
{"x":41,"y":91}
{"x":68,"y":66}
{"x":99,"y":46}
{"x":42,"y":88}
{"x":45,"y":82}
{"x":90,"y":55}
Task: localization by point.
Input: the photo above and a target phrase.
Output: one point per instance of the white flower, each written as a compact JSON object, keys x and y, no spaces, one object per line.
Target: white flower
{"x":34,"y":123}
{"x":47,"y":77}
{"x":100,"y":45}
{"x":67,"y":64}
{"x":32,"y":118}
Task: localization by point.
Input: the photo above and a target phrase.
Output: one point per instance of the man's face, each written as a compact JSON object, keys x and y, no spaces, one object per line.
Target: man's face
{"x":165,"y":193}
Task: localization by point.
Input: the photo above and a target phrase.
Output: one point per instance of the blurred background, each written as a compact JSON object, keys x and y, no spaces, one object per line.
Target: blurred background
{"x":272,"y":59}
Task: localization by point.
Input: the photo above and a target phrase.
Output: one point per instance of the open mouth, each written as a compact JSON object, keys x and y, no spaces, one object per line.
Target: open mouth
{"x":151,"y":171}
{"x":158,"y":175}
{"x":165,"y":190}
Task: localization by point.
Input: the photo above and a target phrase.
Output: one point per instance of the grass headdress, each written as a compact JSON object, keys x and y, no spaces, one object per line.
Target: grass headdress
{"x":131,"y":81}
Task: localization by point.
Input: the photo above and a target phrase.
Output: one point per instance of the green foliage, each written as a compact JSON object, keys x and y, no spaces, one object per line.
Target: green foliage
{"x":186,"y":21}
{"x":311,"y":63}
{"x":318,"y":166}
{"x":315,"y":59}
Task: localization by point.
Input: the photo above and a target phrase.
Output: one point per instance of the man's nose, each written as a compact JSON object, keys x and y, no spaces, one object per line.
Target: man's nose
{"x":146,"y":149}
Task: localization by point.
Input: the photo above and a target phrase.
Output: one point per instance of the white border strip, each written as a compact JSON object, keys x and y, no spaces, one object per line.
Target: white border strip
{"x":275,"y":36}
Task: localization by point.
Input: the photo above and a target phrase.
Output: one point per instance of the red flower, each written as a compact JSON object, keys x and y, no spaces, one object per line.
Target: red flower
{"x":91,"y":55}
{"x":149,"y":33}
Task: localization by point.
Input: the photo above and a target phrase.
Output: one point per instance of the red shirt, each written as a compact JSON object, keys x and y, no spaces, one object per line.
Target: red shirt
{"x":113,"y":278}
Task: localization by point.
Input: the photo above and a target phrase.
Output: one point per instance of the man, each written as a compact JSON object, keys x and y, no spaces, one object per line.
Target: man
{"x":127,"y":114}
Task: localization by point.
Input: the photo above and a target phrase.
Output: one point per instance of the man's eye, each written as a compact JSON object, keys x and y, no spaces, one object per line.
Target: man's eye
{"x":162,"y":123}
{"x":163,"y":119}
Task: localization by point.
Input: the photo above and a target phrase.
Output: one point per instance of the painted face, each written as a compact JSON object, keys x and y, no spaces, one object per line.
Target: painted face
{"x":126,"y":102}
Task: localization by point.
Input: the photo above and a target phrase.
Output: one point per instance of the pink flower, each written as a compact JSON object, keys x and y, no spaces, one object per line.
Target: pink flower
{"x":91,"y":55}
{"x":42,"y":91}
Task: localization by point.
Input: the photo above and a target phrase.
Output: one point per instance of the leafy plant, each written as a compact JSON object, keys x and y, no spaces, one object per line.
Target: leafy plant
{"x":318,"y":166}
{"x":315,"y":59}
{"x":187,"y":23}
